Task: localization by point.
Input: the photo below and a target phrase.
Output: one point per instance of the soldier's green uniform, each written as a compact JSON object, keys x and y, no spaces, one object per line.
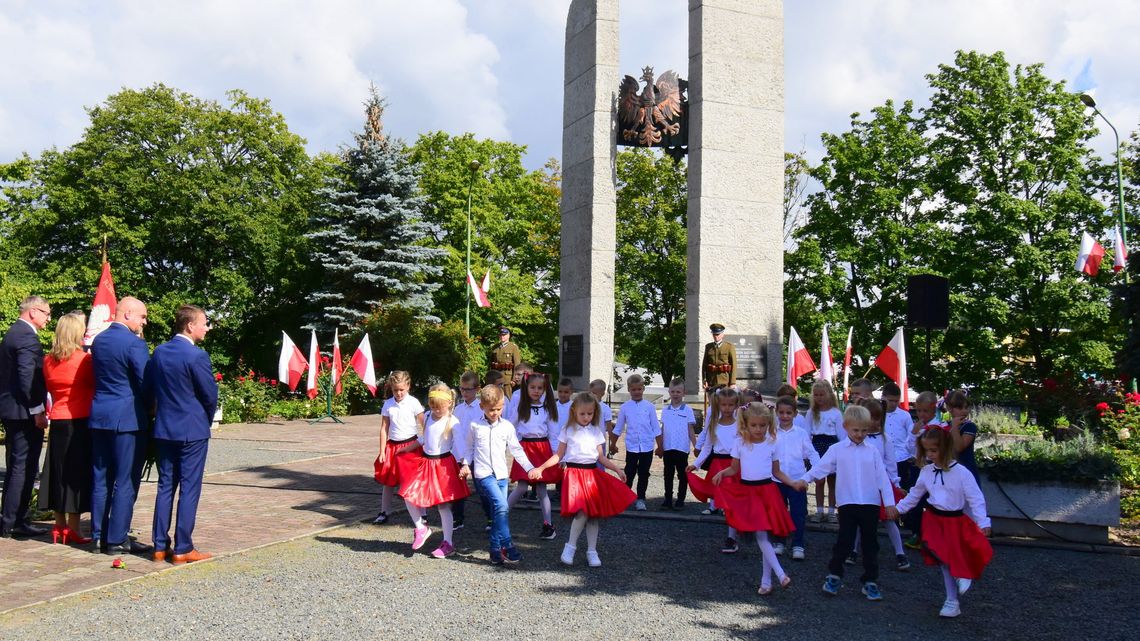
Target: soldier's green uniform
{"x":718,"y":367}
{"x":506,"y":356}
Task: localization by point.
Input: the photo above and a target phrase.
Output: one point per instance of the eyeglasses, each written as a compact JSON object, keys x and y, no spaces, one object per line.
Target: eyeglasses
{"x":45,"y":312}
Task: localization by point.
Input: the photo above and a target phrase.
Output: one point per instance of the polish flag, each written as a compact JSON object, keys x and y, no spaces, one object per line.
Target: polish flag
{"x":486,"y":286}
{"x":892,"y":360}
{"x":364,"y":365}
{"x":1088,"y":259}
{"x":826,"y":365}
{"x":314,"y":366}
{"x":103,"y":309}
{"x":337,"y":372}
{"x":478,"y":292}
{"x":799,"y":361}
{"x":291,"y":364}
{"x":1119,"y":251}
{"x":847,"y":365}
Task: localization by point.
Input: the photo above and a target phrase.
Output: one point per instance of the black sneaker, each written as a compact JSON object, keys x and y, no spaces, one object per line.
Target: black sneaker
{"x":496,"y":557}
{"x":666,"y":505}
{"x":380,"y":519}
{"x":903,"y":562}
{"x":548,"y":532}
{"x":458,"y":525}
{"x":852,"y":558}
{"x":678,"y":506}
{"x":730,"y":546}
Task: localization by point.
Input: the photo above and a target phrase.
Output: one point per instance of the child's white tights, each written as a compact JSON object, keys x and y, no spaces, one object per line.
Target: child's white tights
{"x":771,"y":567}
{"x":419,"y":518}
{"x":591,"y":526}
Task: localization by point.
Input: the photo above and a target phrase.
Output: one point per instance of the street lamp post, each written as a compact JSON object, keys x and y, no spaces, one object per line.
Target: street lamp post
{"x":474,"y":167}
{"x":1090,"y":103}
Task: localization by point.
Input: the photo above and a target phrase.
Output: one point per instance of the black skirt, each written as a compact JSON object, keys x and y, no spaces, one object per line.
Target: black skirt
{"x":65,"y":485}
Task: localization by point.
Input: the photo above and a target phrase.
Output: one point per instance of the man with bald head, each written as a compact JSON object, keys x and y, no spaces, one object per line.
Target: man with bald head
{"x":119,"y":427}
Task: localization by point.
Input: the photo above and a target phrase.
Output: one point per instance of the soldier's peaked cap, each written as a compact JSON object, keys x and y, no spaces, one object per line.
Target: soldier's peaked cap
{"x":717,"y":328}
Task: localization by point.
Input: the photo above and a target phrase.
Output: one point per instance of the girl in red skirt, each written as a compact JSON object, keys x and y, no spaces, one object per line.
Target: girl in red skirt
{"x":401,"y":419}
{"x":751,"y":501}
{"x":536,"y":424}
{"x":588,"y":494}
{"x":950,"y":539}
{"x":433,"y":478}
{"x":723,"y":435}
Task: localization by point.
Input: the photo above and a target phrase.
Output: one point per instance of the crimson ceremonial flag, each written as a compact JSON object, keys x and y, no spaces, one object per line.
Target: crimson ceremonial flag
{"x":799,"y":361}
{"x":1089,"y":256}
{"x":103,"y":308}
{"x":892,"y":360}
{"x":291,"y":364}
{"x":363,"y":364}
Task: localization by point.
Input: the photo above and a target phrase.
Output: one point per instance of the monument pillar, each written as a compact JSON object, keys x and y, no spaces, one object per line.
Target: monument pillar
{"x":589,"y":199}
{"x":735,"y":182}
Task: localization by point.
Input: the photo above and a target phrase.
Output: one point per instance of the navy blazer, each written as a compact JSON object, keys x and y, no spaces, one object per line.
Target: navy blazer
{"x":118,"y":358}
{"x":21,"y":372}
{"x":181,"y":381}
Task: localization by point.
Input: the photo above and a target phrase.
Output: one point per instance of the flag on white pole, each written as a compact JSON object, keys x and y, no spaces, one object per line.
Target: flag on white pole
{"x":799,"y":361}
{"x":480,"y":295}
{"x":291,"y":364}
{"x":847,"y":365}
{"x":826,"y":366}
{"x":337,"y":372}
{"x":314,"y":366}
{"x":892,"y":360}
{"x":364,"y":366}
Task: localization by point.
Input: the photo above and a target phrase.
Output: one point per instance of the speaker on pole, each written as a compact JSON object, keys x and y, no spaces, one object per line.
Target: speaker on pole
{"x":928,"y":301}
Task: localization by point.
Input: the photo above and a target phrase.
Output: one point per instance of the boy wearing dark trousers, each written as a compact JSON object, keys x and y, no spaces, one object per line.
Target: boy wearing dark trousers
{"x":861,"y":487}
{"x":637,"y":419}
{"x":678,"y":438}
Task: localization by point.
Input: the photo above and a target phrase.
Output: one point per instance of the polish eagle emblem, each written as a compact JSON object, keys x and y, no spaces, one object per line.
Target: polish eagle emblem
{"x":655,"y":112}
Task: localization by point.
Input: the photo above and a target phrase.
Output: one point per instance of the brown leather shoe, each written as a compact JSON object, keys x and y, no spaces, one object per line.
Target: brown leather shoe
{"x":162,"y":555}
{"x":190,"y":557}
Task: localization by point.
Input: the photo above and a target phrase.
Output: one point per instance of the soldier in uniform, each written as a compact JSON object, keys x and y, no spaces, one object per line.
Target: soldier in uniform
{"x":719,"y":364}
{"x":506,"y":356}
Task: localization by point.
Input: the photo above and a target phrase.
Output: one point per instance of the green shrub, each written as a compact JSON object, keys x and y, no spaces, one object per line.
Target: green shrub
{"x":994,"y":420}
{"x":246,"y":398}
{"x":1129,"y":505}
{"x":1078,"y":460}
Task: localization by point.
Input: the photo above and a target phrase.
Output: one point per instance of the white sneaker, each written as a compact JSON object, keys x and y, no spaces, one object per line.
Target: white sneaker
{"x":639,"y":505}
{"x":592,"y":559}
{"x":949,"y":610}
{"x":567,"y":554}
{"x":778,"y":549}
{"x":964,"y":585}
{"x":797,"y":553}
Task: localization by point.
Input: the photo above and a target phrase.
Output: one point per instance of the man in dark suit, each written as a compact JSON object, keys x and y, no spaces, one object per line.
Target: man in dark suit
{"x":22,"y":396}
{"x":181,"y":381}
{"x":118,"y":427}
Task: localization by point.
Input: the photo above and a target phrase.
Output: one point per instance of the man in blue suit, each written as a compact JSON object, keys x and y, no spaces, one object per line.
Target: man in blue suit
{"x":181,"y":380}
{"x":118,"y":424}
{"x":22,"y":395}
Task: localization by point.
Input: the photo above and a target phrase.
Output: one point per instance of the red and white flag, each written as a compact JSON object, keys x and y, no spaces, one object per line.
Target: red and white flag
{"x":826,"y":365}
{"x":476,"y":291}
{"x":337,"y":372}
{"x":892,"y":360}
{"x":1119,"y":252}
{"x":847,"y":365}
{"x":103,"y":309}
{"x":1090,"y":255}
{"x":486,"y":286}
{"x":291,"y":364}
{"x":314,"y":366}
{"x":363,"y":364}
{"x":799,"y":361}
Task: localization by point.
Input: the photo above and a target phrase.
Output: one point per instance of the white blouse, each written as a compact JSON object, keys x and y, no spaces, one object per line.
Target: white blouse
{"x":726,"y":437}
{"x":581,"y":443}
{"x":950,"y":489}
{"x":755,"y":459}
{"x":434,"y":441}
{"x":402,"y":417}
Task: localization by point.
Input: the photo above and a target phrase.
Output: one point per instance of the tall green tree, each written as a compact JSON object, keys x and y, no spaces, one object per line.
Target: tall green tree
{"x":200,"y":202}
{"x":369,"y":234}
{"x":515,"y":235}
{"x":652,"y":200}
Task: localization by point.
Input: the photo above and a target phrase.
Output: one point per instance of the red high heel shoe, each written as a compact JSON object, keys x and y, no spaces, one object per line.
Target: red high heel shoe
{"x":58,"y":533}
{"x":73,"y":537}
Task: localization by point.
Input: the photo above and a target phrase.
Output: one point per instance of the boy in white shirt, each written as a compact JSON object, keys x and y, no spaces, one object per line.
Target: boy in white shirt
{"x":637,"y":419}
{"x":678,"y":437}
{"x":793,"y":447}
{"x":565,"y":391}
{"x":861,"y":486}
{"x":486,"y":456}
{"x":466,"y":412}
{"x":598,"y":389}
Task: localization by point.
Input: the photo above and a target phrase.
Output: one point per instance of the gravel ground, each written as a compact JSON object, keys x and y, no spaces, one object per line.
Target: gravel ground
{"x":659,"y":579}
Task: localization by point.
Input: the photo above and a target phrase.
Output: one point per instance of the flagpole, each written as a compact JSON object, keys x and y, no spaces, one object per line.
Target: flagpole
{"x":473,"y":166}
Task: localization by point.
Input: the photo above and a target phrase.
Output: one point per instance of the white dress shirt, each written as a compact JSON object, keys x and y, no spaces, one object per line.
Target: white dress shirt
{"x":830,"y":423}
{"x":638,"y":421}
{"x":886,"y":448}
{"x":675,"y":423}
{"x":465,"y":413}
{"x":563,"y":412}
{"x":860,"y":478}
{"x":487,"y":447}
{"x":951,"y":489}
{"x":898,"y":426}
{"x":793,"y":446}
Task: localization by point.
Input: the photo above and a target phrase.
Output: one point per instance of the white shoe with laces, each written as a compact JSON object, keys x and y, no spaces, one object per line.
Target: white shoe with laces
{"x":797,"y":553}
{"x":639,"y":505}
{"x":592,"y":559}
{"x":964,"y":585}
{"x":568,"y":554}
{"x":778,"y":549}
{"x":949,"y":610}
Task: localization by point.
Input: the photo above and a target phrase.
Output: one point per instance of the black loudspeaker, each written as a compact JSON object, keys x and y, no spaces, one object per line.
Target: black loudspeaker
{"x":928,"y":302}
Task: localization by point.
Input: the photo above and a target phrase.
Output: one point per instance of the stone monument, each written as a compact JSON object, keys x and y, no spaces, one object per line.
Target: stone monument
{"x":735,"y":185}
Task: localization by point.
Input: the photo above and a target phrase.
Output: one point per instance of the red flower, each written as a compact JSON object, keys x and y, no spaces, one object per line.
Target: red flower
{"x":1101,"y":406}
{"x":273,"y":382}
{"x":218,"y":376}
{"x":241,"y":379}
{"x":262,"y":380}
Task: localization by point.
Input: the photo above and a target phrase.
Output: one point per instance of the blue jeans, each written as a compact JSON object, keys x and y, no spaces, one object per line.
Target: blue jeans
{"x":797,"y":506}
{"x":495,"y":490}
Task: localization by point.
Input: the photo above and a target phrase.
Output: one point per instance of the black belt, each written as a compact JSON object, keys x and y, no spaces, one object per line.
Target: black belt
{"x":441,"y":455}
{"x":715,"y":455}
{"x":755,"y":482}
{"x":944,"y":512}
{"x":534,"y":439}
{"x":583,"y":466}
{"x":401,"y":441}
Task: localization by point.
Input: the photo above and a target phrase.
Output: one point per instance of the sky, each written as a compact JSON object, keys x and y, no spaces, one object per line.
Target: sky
{"x":494,"y":67}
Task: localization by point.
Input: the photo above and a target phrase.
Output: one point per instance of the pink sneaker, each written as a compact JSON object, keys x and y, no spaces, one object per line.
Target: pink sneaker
{"x":444,"y":550}
{"x":421,"y":537}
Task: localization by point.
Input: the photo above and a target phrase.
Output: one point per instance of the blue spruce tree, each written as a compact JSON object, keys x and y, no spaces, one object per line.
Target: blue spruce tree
{"x":371,"y":238}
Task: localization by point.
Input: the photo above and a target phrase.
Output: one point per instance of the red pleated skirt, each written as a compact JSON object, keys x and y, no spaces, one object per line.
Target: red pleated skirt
{"x":431,"y":480}
{"x":956,"y":542}
{"x":388,"y":472}
{"x":592,"y":490}
{"x":753,"y":508}
{"x":702,"y":488}
{"x":537,"y":452}
{"x":899,"y":494}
